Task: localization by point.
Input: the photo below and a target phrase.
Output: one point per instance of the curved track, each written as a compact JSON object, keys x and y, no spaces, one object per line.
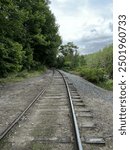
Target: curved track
{"x":54,"y":99}
{"x":76,"y":128}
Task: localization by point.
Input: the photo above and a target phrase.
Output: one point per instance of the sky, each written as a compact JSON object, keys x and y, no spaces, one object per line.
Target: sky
{"x":86,"y":23}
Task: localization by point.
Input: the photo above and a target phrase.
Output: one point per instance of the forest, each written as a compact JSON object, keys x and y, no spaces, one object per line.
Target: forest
{"x":28,"y":36}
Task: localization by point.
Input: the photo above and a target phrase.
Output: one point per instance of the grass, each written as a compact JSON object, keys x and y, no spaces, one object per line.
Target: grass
{"x":108,"y":85}
{"x":16,"y":77}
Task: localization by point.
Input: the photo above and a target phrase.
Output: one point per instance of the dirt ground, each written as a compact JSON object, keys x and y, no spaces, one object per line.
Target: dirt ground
{"x":14,"y":97}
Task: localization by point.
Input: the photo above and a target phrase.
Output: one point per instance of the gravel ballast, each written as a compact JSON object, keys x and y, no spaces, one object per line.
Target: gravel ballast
{"x":100,"y":102}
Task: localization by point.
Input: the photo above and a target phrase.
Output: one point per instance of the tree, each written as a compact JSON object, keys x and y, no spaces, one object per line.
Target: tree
{"x":11,"y":51}
{"x":11,"y":56}
{"x":42,"y":30}
{"x":68,"y":55}
{"x":28,"y":27}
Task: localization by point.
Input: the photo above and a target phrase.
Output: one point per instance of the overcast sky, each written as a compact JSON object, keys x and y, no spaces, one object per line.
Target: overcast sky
{"x":87,"y":23}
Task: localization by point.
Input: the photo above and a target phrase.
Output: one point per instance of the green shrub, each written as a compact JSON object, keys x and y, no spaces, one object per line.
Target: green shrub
{"x":94,"y":75}
{"x":109,"y":84}
{"x":101,"y":59}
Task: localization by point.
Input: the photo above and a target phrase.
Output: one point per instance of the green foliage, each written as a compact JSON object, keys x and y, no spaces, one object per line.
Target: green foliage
{"x":82,"y":60}
{"x":68,"y":49}
{"x":102,"y":59}
{"x":68,"y":57}
{"x":11,"y":55}
{"x":28,"y":35}
{"x":94,"y":75}
{"x":60,"y":61}
{"x":96,"y":67}
{"x":108,"y":84}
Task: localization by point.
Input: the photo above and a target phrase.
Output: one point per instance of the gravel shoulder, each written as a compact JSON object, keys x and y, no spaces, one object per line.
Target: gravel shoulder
{"x":100,"y":101}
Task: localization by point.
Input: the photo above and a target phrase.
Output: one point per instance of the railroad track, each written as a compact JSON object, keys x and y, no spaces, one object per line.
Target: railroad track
{"x":57,"y":118}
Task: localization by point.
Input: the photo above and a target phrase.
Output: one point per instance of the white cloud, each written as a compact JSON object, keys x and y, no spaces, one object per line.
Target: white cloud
{"x":61,"y":1}
{"x":83,"y":20}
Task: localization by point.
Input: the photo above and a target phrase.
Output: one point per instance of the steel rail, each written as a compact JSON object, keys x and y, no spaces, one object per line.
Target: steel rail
{"x":78,"y":139}
{"x":11,"y":125}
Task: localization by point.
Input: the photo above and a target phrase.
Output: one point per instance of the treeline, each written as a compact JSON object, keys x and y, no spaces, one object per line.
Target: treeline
{"x":96,"y":67}
{"x":28,"y":35}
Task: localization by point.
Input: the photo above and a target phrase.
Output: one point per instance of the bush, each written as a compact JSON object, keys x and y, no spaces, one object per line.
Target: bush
{"x":109,"y":84}
{"x":94,"y":75}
